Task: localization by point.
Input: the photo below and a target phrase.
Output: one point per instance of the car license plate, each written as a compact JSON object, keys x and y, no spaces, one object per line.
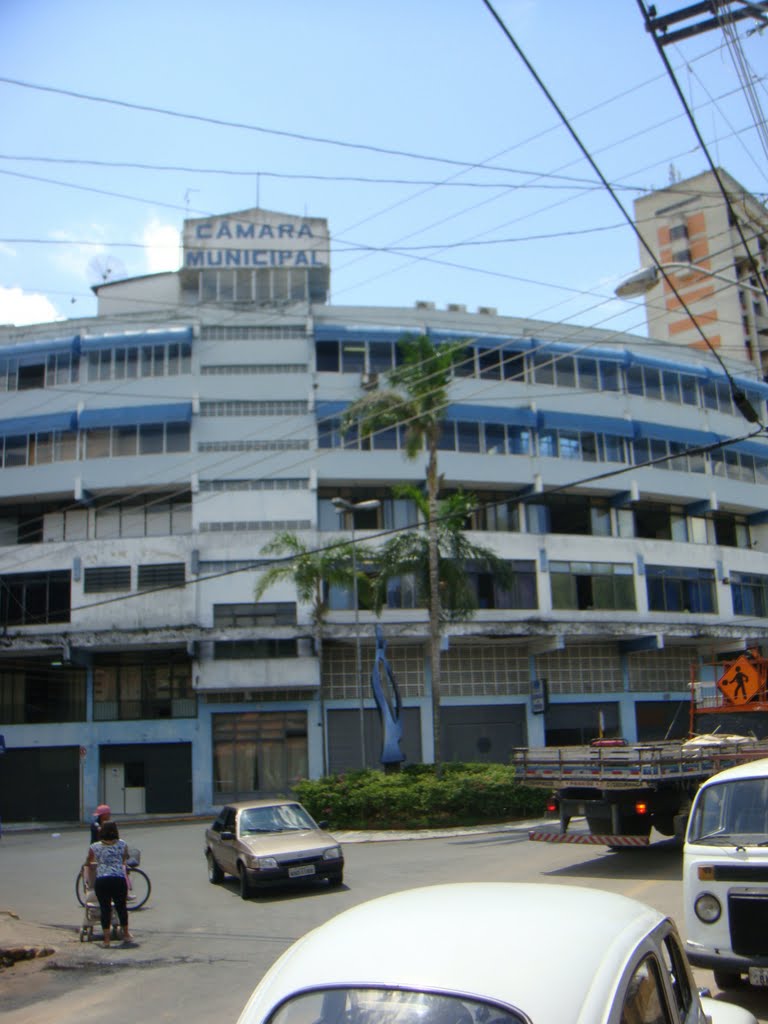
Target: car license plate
{"x":758,"y":976}
{"x":303,"y":869}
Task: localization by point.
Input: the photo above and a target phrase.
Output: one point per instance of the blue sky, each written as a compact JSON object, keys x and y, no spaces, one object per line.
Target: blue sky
{"x":489,"y":202}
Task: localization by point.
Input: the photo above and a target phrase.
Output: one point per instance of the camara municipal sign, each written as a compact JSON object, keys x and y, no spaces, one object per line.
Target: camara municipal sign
{"x":256,"y":238}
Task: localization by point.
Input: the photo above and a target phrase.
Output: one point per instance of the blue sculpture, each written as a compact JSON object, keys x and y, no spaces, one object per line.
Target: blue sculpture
{"x":389,"y":715}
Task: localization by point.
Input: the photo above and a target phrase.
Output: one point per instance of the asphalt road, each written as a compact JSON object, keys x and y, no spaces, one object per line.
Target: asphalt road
{"x":201,"y":949}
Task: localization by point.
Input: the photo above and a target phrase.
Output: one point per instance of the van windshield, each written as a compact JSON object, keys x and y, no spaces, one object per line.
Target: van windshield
{"x":731,"y":811}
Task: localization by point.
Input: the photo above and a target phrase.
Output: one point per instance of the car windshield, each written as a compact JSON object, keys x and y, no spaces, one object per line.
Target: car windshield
{"x":731,"y":811}
{"x":278,"y":818}
{"x":389,"y":1006}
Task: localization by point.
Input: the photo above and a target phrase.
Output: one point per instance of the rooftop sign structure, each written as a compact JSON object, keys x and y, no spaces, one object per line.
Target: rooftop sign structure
{"x":256,"y":239}
{"x":256,"y":257}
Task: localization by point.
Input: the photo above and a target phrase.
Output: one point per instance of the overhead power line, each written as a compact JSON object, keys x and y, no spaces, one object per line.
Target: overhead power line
{"x":244,"y":126}
{"x":739,"y":397}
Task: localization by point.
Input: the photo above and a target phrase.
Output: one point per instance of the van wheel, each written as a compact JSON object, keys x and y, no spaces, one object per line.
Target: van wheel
{"x":727,"y":979}
{"x":245,"y":889}
{"x":215,"y":874}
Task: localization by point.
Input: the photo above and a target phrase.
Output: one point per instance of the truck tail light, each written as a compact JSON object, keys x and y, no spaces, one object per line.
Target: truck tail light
{"x":641,"y":807}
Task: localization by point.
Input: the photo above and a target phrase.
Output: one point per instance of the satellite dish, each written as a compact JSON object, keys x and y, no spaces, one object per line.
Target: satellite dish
{"x":105,"y":267}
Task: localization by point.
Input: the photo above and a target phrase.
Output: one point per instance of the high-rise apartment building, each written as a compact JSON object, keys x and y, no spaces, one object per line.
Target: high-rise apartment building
{"x":689,"y":222}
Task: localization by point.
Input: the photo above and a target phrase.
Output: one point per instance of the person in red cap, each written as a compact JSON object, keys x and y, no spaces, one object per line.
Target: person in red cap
{"x":102,"y":813}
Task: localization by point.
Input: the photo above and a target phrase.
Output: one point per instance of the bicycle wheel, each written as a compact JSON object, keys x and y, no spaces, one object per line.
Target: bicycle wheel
{"x":80,"y":888}
{"x":141,"y":887}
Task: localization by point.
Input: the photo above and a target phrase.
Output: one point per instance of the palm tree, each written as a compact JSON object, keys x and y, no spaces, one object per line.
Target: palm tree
{"x":416,"y":398}
{"x":407,"y":553}
{"x":311,"y":571}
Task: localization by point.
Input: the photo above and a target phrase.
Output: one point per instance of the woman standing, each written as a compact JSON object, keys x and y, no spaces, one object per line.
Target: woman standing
{"x":100,"y":815}
{"x":110,"y":855}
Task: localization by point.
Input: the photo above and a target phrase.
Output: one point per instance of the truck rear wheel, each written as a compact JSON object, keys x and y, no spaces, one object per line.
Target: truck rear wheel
{"x":665,"y":825}
{"x":727,"y":979}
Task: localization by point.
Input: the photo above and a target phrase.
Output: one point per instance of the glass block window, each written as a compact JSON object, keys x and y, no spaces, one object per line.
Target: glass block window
{"x":485,"y":670}
{"x":591,"y":668}
{"x":339,"y":673}
{"x":661,"y":670}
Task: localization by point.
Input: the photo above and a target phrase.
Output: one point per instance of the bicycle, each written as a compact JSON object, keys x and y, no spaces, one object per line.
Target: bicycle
{"x":139,"y":884}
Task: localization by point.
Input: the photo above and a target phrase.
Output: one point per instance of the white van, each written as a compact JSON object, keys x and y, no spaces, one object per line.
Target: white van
{"x":725,"y":876}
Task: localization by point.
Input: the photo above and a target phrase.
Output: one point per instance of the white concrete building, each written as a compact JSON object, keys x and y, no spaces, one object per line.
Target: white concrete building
{"x":148,"y":454}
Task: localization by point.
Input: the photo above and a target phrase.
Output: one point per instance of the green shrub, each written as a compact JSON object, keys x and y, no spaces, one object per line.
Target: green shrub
{"x":420,"y":797}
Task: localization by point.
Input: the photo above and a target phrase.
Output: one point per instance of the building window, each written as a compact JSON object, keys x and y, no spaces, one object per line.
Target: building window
{"x":104,"y":578}
{"x":592,"y":586}
{"x":402,"y":592}
{"x":521,"y":593}
{"x":582,"y":668}
{"x":33,"y":692}
{"x":496,"y":513}
{"x":161,"y":574}
{"x":148,"y":688}
{"x":250,"y":332}
{"x":392,"y":513}
{"x":749,"y":593}
{"x":263,"y":613}
{"x":341,"y":679}
{"x":248,"y":650}
{"x":658,"y":522}
{"x":253,"y":408}
{"x":679,"y":589}
{"x":35,"y":598}
{"x":259,"y":484}
{"x":669,"y":669}
{"x":131,"y":362}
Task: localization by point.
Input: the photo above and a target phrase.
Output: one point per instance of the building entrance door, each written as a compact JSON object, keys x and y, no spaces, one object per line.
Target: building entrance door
{"x":114,"y":787}
{"x":258,"y":753}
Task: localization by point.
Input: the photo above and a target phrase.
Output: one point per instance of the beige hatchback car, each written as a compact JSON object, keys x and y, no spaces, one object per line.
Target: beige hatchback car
{"x":270,"y":842}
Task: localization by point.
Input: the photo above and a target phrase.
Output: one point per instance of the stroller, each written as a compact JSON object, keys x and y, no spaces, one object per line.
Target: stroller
{"x":91,"y":908}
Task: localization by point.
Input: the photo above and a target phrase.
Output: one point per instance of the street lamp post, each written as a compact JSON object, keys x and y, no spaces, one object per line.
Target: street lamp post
{"x":643,"y":281}
{"x":343,"y":507}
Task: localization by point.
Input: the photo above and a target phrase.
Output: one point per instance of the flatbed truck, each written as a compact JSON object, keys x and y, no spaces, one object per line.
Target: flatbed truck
{"x":626,"y":790}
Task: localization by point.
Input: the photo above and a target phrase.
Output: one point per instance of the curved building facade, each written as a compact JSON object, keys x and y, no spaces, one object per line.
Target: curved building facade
{"x":148,"y":455}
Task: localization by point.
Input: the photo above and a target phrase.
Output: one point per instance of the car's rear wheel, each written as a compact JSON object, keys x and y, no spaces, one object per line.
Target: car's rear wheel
{"x":245,"y":888}
{"x":215,"y":874}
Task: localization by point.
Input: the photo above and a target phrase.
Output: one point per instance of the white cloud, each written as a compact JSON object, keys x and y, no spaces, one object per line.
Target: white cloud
{"x":19,"y":307}
{"x":75,"y":259}
{"x":162,"y":247}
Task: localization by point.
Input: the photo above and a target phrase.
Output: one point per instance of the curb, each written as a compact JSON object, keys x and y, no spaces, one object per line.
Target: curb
{"x":343,"y":835}
{"x":431,"y":833}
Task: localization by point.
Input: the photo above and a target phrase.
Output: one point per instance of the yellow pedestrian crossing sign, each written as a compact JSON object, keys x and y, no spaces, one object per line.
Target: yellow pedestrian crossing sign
{"x":740,"y":683}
